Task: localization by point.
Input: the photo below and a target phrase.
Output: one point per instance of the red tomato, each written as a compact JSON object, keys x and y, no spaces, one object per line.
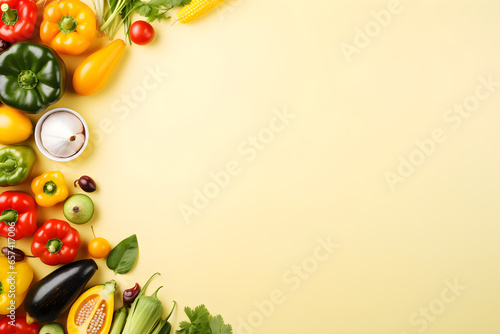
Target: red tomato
{"x":21,"y":327}
{"x":141,"y":32}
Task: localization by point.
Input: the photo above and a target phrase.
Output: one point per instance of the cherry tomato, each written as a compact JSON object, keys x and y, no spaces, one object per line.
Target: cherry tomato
{"x":21,"y":327}
{"x":99,"y":248}
{"x":141,"y":32}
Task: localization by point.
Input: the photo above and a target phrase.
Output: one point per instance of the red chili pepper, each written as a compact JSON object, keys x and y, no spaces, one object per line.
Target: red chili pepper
{"x":18,"y":213}
{"x":56,"y":242}
{"x":18,"y":19}
{"x":17,"y":325}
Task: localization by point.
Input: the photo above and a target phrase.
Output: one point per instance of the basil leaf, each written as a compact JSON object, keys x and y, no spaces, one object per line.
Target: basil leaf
{"x":123,"y":257}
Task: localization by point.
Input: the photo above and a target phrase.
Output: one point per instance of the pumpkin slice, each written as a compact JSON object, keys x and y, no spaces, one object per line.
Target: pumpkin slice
{"x":92,"y":312}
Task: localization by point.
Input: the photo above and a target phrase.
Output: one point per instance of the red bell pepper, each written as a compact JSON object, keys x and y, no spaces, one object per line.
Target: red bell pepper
{"x":18,"y":213}
{"x":17,"y":325}
{"x":18,"y":20}
{"x":56,"y":242}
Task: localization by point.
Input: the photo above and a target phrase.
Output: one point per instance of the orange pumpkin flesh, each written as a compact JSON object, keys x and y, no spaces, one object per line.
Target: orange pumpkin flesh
{"x":92,"y":313}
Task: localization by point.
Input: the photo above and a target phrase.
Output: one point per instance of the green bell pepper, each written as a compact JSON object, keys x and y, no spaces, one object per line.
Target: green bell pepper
{"x":32,"y":77}
{"x":16,"y":164}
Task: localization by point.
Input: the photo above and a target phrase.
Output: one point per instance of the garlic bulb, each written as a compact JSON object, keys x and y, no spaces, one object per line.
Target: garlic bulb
{"x":62,"y":134}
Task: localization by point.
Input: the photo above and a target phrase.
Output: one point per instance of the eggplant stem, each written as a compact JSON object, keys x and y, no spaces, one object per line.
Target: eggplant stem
{"x":30,"y":319}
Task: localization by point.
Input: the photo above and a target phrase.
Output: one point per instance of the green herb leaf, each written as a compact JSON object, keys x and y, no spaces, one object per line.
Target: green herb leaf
{"x":156,"y":10}
{"x":201,"y":322}
{"x":123,"y":257}
{"x":144,"y":10}
{"x":217,"y":326}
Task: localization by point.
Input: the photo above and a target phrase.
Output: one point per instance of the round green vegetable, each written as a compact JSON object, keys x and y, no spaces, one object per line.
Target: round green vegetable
{"x":78,"y":209}
{"x":52,"y":328}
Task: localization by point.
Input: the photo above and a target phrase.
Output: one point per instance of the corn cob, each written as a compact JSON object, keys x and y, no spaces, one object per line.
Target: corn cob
{"x":195,"y":9}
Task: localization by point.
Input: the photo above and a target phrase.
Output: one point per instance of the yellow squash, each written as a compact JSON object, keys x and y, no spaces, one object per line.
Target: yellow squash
{"x":15,"y":126}
{"x":15,"y":279}
{"x":93,"y":73}
{"x":93,"y":310}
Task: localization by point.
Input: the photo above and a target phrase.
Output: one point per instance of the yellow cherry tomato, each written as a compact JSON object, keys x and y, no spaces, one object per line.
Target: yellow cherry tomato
{"x":99,"y":248}
{"x":15,"y":126}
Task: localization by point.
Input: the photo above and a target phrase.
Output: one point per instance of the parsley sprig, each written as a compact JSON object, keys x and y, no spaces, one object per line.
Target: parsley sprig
{"x":156,"y":10}
{"x":201,"y":322}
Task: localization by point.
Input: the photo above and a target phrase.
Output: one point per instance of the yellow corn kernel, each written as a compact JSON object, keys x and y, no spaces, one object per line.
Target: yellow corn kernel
{"x":195,"y":9}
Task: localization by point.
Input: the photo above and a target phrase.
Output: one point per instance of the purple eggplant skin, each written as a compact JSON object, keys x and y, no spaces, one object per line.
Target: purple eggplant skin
{"x":4,"y":45}
{"x":56,"y":292}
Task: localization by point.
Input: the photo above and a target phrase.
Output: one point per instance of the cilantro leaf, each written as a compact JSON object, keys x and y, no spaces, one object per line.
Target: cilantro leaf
{"x":201,"y":322}
{"x":184,"y":326}
{"x":144,"y":10}
{"x":156,"y":10}
{"x":217,"y":326}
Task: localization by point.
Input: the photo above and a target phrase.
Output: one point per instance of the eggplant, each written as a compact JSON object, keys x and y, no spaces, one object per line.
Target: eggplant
{"x":56,"y":292}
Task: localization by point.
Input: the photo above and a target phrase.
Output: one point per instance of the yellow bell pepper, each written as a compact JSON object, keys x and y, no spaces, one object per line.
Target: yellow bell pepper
{"x":49,"y":189}
{"x":93,"y":73}
{"x":68,"y":26}
{"x":15,"y":280}
{"x":15,"y":126}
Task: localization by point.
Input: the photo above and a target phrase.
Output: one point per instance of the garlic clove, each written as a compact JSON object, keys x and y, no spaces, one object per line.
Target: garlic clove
{"x":62,"y":134}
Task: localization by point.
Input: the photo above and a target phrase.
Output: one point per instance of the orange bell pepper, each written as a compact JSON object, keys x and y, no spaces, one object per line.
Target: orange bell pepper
{"x":68,"y":26}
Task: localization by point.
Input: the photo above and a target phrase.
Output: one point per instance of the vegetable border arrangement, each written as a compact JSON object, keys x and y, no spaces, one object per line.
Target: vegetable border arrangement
{"x":33,"y":77}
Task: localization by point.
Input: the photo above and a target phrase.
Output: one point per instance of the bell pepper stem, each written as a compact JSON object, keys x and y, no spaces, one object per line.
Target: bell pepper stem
{"x":9,"y":16}
{"x":8,"y":164}
{"x":27,"y":79}
{"x":67,"y":24}
{"x":54,"y":245}
{"x":10,"y":216}
{"x":50,"y":188}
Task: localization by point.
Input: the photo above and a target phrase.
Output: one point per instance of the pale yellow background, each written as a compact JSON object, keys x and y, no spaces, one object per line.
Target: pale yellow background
{"x":321,"y":177}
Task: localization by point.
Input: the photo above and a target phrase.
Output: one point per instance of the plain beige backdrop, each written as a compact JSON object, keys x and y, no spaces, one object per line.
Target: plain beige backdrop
{"x":307,"y":166}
